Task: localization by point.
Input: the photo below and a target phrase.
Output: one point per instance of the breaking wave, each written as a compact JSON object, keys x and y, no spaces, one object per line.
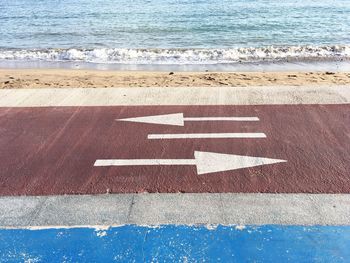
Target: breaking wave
{"x":180,"y":56}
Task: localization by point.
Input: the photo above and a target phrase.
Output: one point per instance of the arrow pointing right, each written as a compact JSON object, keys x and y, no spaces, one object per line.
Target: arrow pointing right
{"x":206,"y":162}
{"x":209,"y":162}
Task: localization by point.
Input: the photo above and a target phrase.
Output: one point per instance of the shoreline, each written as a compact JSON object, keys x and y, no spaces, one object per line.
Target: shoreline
{"x":338,"y":65}
{"x":69,"y":78}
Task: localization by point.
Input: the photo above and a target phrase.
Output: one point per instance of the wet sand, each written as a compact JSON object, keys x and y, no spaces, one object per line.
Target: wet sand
{"x":63,"y":78}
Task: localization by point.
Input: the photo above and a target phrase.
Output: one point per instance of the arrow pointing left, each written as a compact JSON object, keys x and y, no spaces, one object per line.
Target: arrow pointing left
{"x":206,"y":162}
{"x":178,"y":119}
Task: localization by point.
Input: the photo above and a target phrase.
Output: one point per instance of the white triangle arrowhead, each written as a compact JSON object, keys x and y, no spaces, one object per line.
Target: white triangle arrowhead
{"x":208,"y":162}
{"x":166,"y":119}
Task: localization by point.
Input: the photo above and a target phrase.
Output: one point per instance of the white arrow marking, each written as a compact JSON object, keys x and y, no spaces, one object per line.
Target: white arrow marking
{"x":206,"y":135}
{"x":206,"y":162}
{"x":178,"y":119}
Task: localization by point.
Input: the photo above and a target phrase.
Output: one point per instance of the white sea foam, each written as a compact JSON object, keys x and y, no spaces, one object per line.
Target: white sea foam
{"x":181,"y":56}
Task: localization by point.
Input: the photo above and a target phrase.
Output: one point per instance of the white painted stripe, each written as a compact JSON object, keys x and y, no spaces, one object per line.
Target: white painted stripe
{"x":207,"y":136}
{"x":221,"y":119}
{"x":187,"y":209}
{"x":134,"y":162}
{"x":174,"y":96}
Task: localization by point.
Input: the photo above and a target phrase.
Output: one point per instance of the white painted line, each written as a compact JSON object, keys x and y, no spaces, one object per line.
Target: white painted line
{"x":206,"y":162}
{"x":221,"y":119}
{"x":178,"y":119}
{"x":207,"y":136}
{"x":136,"y":162}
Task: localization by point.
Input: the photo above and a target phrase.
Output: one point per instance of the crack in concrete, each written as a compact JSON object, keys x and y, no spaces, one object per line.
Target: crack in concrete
{"x":130,"y":209}
{"x":36,"y":212}
{"x":222,"y":210}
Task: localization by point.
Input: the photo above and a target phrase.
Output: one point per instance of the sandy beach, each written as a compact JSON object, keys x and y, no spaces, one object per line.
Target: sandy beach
{"x":61,"y":78}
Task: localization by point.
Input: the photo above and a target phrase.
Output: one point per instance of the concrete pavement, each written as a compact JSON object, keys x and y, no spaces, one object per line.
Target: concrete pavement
{"x":179,"y":209}
{"x":174,"y":96}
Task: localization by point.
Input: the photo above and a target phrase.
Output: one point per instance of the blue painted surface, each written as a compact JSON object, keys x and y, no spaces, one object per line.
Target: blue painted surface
{"x":171,"y":243}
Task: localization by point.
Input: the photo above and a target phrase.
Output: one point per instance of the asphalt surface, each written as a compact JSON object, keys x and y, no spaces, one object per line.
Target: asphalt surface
{"x":52,"y":150}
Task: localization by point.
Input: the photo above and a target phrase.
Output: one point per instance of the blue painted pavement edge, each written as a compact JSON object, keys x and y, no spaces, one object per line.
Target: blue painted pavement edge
{"x":170,"y":243}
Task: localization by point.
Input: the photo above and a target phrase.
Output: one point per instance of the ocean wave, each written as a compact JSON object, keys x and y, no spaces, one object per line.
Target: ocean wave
{"x":180,"y":56}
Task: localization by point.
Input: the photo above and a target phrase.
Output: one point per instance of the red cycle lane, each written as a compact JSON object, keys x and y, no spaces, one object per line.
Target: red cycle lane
{"x":49,"y":151}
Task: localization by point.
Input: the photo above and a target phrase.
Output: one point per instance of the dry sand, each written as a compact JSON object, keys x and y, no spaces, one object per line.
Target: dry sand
{"x":61,"y":78}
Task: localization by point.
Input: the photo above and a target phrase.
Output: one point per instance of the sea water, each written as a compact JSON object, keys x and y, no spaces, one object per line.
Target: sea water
{"x":228,"y":33}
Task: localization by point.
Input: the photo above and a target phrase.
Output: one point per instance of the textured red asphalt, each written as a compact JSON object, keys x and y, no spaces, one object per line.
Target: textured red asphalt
{"x":46,"y":151}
